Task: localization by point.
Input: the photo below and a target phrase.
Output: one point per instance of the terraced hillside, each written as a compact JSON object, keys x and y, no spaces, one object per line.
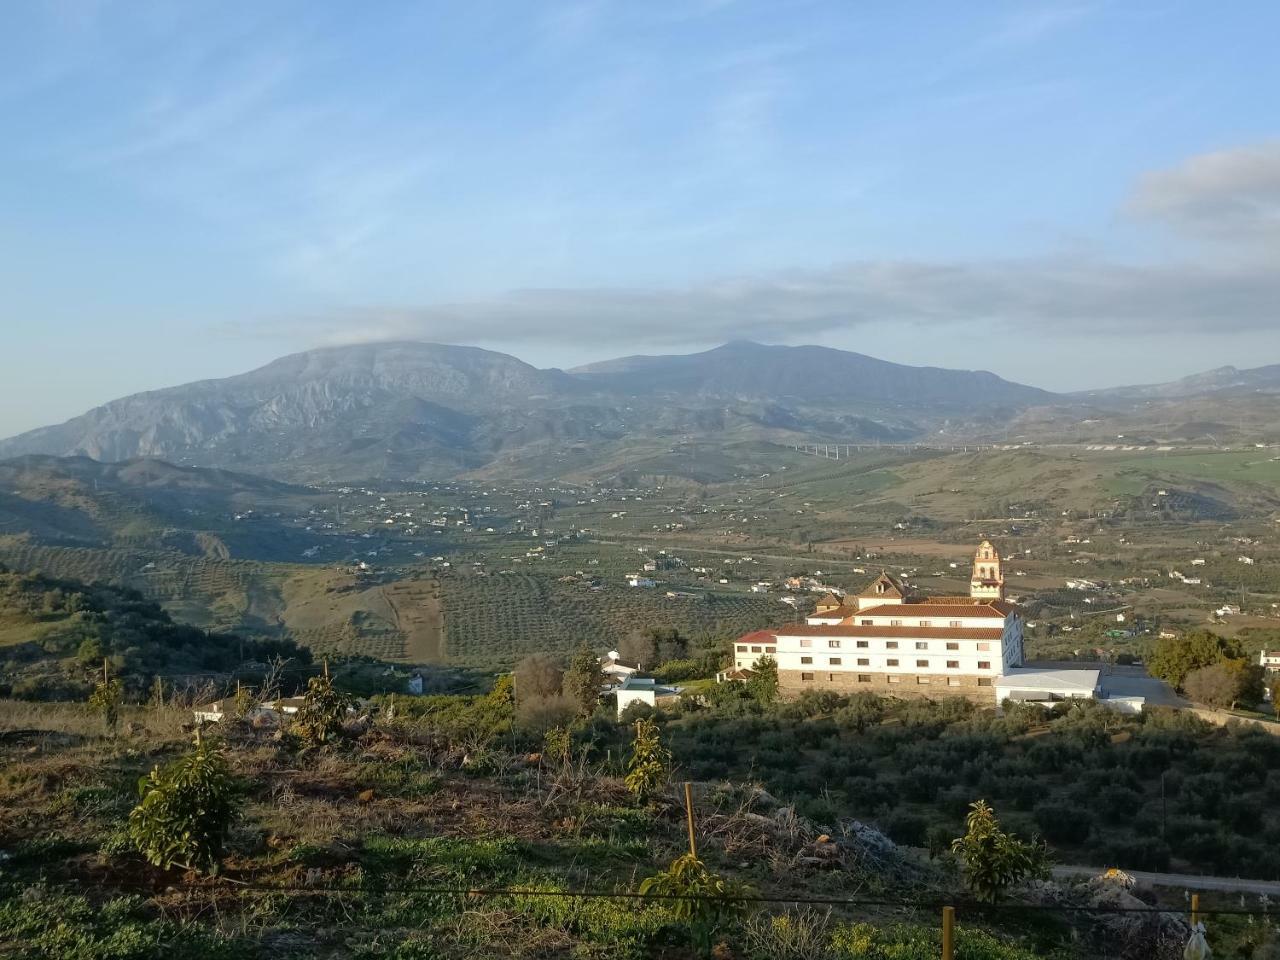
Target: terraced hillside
{"x":501,"y":618}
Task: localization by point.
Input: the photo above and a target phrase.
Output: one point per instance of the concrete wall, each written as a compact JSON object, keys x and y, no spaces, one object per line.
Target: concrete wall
{"x":790,"y":683}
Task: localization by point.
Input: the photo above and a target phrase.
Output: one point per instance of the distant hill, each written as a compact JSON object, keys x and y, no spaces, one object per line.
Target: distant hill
{"x":77,"y":501}
{"x":746,"y":369}
{"x":412,"y":410}
{"x":1230,"y":380}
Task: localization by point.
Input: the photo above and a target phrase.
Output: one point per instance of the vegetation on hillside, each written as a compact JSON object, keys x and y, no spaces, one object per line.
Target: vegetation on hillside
{"x":56,"y":634}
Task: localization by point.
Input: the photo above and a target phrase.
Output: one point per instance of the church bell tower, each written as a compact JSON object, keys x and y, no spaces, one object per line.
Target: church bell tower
{"x":987,"y":582}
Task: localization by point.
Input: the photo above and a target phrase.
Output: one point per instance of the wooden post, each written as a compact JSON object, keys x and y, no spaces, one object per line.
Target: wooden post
{"x":948,"y":933}
{"x":1195,"y":909}
{"x":688,"y":810}
{"x":326,"y":668}
{"x":106,"y":676}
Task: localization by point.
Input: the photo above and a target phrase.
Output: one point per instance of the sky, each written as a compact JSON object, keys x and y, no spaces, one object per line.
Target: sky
{"x":1070,"y":194}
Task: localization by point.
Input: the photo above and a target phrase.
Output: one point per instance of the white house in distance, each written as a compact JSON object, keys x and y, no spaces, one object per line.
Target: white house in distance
{"x":643,"y":690}
{"x":887,"y":641}
{"x":616,"y":669}
{"x":1269,"y":659}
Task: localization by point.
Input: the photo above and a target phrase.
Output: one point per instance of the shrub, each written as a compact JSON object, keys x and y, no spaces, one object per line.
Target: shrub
{"x":186,"y":810}
{"x":650,"y":762}
{"x":323,"y":710}
{"x":994,"y":860}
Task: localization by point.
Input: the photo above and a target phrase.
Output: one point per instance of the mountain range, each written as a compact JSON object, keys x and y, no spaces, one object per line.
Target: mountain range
{"x":409,"y":410}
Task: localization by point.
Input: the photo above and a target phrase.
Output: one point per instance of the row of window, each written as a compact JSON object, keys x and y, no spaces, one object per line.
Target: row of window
{"x":921,"y":623}
{"x":893,"y":662}
{"x":807,"y":643}
{"x":920,"y":681}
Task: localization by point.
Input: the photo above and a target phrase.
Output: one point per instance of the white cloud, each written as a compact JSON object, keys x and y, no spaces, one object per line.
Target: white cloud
{"x":1231,"y":196}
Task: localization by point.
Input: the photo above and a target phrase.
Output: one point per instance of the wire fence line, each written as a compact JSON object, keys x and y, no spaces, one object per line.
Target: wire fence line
{"x":231,"y":886}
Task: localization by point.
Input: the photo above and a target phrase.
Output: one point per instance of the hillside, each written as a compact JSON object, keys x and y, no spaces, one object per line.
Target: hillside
{"x":410,"y":410}
{"x":146,"y":503}
{"x":55,"y":635}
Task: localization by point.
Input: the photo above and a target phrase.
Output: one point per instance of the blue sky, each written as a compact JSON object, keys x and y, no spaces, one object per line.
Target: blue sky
{"x":1069,"y":194}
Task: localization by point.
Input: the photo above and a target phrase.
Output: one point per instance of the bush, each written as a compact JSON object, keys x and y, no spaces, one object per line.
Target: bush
{"x":186,"y":810}
{"x":1062,"y":822}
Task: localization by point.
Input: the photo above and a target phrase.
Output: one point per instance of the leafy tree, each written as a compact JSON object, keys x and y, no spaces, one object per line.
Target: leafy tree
{"x":106,"y":699}
{"x":186,"y":810}
{"x":863,"y":710}
{"x":323,"y":709}
{"x":650,"y":762}
{"x":582,"y":681}
{"x":994,"y":860}
{"x":763,"y":685}
{"x":1225,"y":684}
{"x":1175,"y":657}
{"x":696,"y":895}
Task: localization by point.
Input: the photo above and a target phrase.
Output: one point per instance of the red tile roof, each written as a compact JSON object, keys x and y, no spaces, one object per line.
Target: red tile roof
{"x":908,"y":633}
{"x":758,"y":636}
{"x":977,"y":608}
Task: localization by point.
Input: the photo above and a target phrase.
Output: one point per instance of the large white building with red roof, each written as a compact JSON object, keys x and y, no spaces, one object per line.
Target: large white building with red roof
{"x":888,"y":641}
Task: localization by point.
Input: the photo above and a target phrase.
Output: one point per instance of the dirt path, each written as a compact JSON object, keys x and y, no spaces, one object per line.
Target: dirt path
{"x":1189,"y":881}
{"x":415,"y":605}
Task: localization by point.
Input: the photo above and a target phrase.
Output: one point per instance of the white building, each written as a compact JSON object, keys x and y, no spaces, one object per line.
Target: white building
{"x":889,"y":642}
{"x":643,"y":690}
{"x":1269,"y":659}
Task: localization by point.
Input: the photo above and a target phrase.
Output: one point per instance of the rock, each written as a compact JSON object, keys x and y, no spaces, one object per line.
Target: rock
{"x":822,"y":838}
{"x":365,"y":796}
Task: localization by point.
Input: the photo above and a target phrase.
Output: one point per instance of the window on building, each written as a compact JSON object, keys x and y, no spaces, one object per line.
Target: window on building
{"x":805,"y":644}
{"x":891,"y":645}
{"x":862,"y":644}
{"x":833,"y":644}
{"x":742,"y":648}
{"x":953,"y":681}
{"x":864,"y":662}
{"x":894,"y":679}
{"x":755,"y":650}
{"x":984,"y":647}
{"x":922,"y":680}
{"x":806,"y":676}
{"x":953,"y":664}
{"x":984,"y":681}
{"x":953,"y":646}
{"x":806,"y":659}
{"x":866,"y":623}
{"x":835,"y":661}
{"x":831,"y":678}
{"x":926,"y":623}
{"x":922,"y":663}
{"x":956,"y":623}
{"x":891,"y":663}
{"x":895,"y":623}
{"x":984,"y":664}
{"x":770,"y":649}
{"x":922,"y":644}
{"x":864,"y":678}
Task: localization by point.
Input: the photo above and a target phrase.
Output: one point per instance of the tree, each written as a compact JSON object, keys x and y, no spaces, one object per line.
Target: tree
{"x":994,"y":860}
{"x":650,"y":762}
{"x":582,"y":681}
{"x":186,"y":810}
{"x":763,"y":685}
{"x":324,"y":707}
{"x":105,"y":699}
{"x":696,"y":895}
{"x":1225,"y":684}
{"x":639,"y":647}
{"x":538,"y":676}
{"x":1175,"y":657}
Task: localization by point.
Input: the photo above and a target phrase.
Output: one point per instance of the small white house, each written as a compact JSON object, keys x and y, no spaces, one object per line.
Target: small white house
{"x":1269,"y":659}
{"x":645,"y":582}
{"x":643,"y":690}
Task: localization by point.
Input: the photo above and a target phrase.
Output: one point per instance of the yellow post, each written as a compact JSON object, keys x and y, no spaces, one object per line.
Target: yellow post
{"x":688,"y":811}
{"x":106,"y":675}
{"x":326,"y":668}
{"x":1195,"y":908}
{"x":948,"y":933}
